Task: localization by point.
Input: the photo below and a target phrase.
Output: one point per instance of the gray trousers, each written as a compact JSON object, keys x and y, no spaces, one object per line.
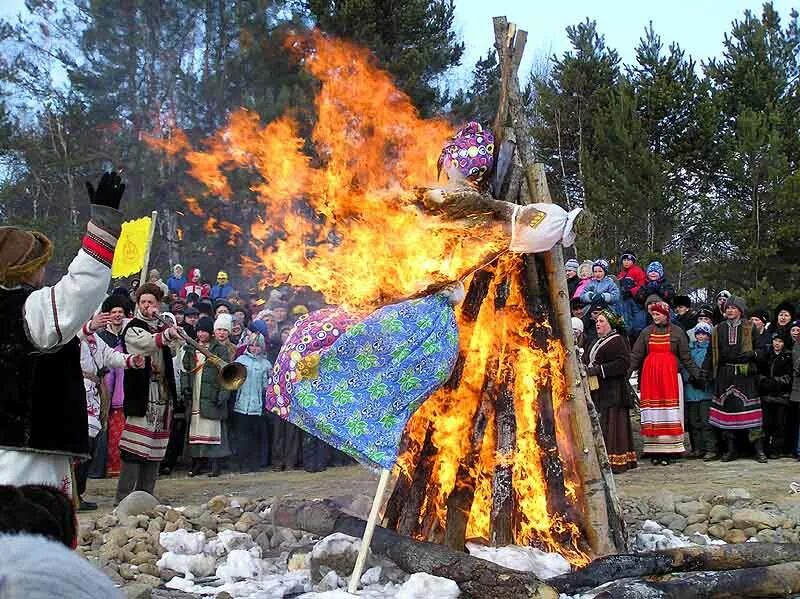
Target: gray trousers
{"x":136,"y":476}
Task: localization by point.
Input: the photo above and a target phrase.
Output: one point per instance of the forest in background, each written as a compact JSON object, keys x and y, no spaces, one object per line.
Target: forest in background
{"x":691,"y":160}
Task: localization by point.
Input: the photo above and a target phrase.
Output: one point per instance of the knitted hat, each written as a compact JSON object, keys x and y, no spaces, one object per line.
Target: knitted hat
{"x":149,"y":289}
{"x":572,"y":264}
{"x":702,"y":327}
{"x":724,"y":293}
{"x":257,"y":339}
{"x":602,"y":263}
{"x":628,"y":256}
{"x":205,"y":324}
{"x":195,"y":272}
{"x":683,"y":300}
{"x":737,"y":302}
{"x":222,"y":276}
{"x":761,"y":313}
{"x":176,"y":268}
{"x":656,"y":266}
{"x":22,"y":254}
{"x":224,"y":321}
{"x":660,"y":307}
{"x":37,"y":568}
{"x":577,"y":325}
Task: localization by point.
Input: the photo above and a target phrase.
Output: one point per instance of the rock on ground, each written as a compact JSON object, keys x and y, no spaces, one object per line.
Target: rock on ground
{"x":138,"y":502}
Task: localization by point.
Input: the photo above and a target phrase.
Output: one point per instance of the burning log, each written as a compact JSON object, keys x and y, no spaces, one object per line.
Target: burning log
{"x":412,"y":502}
{"x":685,"y":559}
{"x":780,"y":580}
{"x":474,"y":576}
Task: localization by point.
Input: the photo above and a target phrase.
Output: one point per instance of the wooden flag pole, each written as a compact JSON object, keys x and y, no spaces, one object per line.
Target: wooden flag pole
{"x":146,"y":263}
{"x":368,"y":531}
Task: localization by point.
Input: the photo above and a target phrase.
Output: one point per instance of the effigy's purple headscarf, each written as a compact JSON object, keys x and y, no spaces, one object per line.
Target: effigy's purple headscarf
{"x":470,"y":152}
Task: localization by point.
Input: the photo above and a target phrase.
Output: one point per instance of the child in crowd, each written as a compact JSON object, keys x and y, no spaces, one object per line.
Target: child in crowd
{"x":657,"y":284}
{"x":698,"y":400}
{"x":249,"y":407}
{"x":585,"y":275}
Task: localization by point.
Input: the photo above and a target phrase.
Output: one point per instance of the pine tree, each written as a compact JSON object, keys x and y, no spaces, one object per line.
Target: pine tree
{"x":479,"y":102}
{"x":414,"y":40}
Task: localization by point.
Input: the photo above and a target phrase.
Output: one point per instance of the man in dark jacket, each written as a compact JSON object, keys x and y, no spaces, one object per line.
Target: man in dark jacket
{"x":775,"y":385}
{"x":685,"y":317}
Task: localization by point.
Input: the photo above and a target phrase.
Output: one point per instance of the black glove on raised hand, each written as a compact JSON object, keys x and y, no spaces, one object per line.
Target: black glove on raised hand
{"x":109,"y":190}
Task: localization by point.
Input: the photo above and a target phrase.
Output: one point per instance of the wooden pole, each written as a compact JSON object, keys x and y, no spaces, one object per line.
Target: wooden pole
{"x":361,"y":560}
{"x":146,"y":263}
{"x":596,"y":526}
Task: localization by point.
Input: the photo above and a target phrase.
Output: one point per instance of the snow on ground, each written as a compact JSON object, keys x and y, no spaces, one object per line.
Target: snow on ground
{"x":654,"y":536}
{"x":526,"y":559}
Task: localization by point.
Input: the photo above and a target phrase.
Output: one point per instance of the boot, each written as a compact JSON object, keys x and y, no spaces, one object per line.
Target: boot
{"x":730,"y":450}
{"x":761,"y":457}
{"x":215,"y":468}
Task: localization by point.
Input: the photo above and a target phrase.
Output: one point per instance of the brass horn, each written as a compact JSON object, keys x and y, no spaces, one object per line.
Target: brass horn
{"x":232,"y":375}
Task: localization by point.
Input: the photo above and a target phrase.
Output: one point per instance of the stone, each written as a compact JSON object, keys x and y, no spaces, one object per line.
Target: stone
{"x":193,"y":511}
{"x":728,"y":524}
{"x":330,"y":582}
{"x":118,"y":537}
{"x":170,"y":527}
{"x":736,"y":536}
{"x":372,"y":576}
{"x":696,"y":518}
{"x":692,"y":507}
{"x":112,"y":572}
{"x":247,"y":521}
{"x":699,"y":528}
{"x":138,"y":502}
{"x":737,"y":494}
{"x":336,"y":552}
{"x":791,"y":536}
{"x":282,"y":536}
{"x":750,"y":531}
{"x":147,"y":579}
{"x":234,"y":513}
{"x":719,"y":513}
{"x":224,"y":595}
{"x":127,"y":572}
{"x":677,"y":523}
{"x":172,"y":515}
{"x":717,"y":531}
{"x":663,"y":502}
{"x":699,"y":539}
{"x":755,"y":518}
{"x":769,"y":536}
{"x":110,"y":551}
{"x":206,"y":521}
{"x":143,"y":558}
{"x":262,"y":540}
{"x":106,"y":521}
{"x":166,"y":574}
{"x":139,"y":591}
{"x":217,"y":504}
{"x":149,"y":568}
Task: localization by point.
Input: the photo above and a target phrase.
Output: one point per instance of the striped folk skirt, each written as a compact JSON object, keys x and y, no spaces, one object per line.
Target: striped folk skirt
{"x":661,"y":404}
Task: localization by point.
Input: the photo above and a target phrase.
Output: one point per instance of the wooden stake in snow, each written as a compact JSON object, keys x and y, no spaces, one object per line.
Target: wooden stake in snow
{"x":368,"y":531}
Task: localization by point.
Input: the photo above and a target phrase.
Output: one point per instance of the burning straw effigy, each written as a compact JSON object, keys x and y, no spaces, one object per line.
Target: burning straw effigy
{"x":509,"y":451}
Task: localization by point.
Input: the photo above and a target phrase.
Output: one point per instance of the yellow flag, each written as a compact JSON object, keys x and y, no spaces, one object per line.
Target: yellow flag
{"x":131,"y":248}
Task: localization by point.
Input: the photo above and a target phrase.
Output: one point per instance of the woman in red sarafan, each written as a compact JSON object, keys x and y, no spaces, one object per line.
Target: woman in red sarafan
{"x":656,"y":355}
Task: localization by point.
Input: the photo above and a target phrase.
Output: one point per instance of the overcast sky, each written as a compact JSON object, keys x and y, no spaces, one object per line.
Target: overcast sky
{"x":697,"y":25}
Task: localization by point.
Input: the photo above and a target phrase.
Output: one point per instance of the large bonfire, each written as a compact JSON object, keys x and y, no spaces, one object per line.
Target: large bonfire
{"x":342,"y":218}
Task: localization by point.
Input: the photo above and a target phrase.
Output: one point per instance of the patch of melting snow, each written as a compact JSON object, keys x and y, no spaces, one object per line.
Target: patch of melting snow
{"x":526,"y":559}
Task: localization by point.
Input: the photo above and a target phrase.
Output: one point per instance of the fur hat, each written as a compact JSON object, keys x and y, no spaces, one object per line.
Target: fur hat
{"x":789,"y":307}
{"x":205,"y":324}
{"x":761,"y":313}
{"x":22,"y":254}
{"x":571,"y":264}
{"x":116,"y":301}
{"x":224,"y":321}
{"x":705,"y":311}
{"x":703,"y":327}
{"x":656,"y":266}
{"x":683,"y":300}
{"x":737,"y":302}
{"x":602,"y":263}
{"x":150,"y":289}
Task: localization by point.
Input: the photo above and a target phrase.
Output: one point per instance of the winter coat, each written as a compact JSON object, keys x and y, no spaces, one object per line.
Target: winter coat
{"x":784,"y":330}
{"x":678,"y":344}
{"x":97,"y":357}
{"x":250,"y":400}
{"x":638,"y":278}
{"x":213,"y":397}
{"x":115,"y":378}
{"x":175,"y":284}
{"x":221,"y":291}
{"x":662,"y":288}
{"x":698,"y":352}
{"x":775,"y":377}
{"x":605,"y":287}
{"x":686,"y":321}
{"x":200,"y":290}
{"x":608,"y":359}
{"x":572,"y":285}
{"x":581,"y":288}
{"x":795,"y":396}
{"x":762,"y":342}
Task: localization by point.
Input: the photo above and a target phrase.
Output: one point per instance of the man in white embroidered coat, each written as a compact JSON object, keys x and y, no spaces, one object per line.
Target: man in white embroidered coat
{"x":96,"y":356}
{"x":150,"y":395}
{"x":43,"y":420}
